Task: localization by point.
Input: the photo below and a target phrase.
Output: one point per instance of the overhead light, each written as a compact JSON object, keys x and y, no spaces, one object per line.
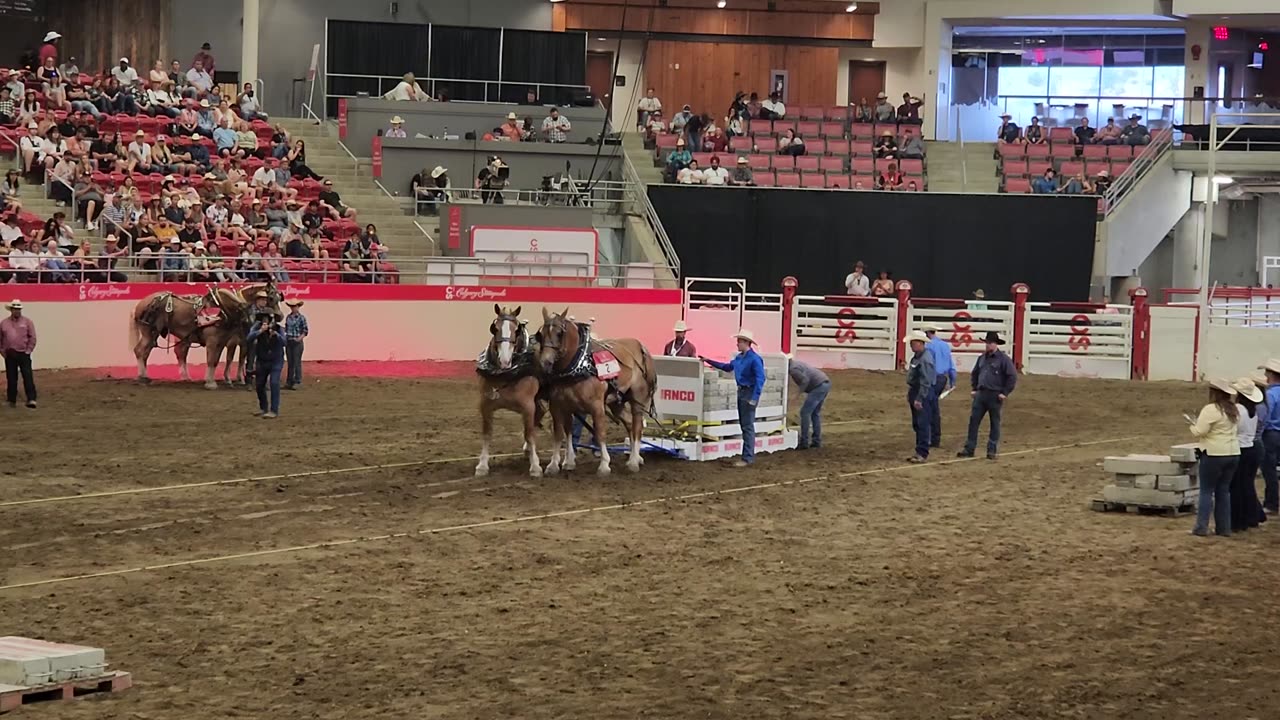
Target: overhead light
{"x":601,"y":39}
{"x":721,"y":4}
{"x":1222,"y":180}
{"x":851,"y":7}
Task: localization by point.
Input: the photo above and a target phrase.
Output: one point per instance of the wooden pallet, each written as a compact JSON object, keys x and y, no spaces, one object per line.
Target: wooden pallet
{"x":1161,"y":510}
{"x":13,"y":697}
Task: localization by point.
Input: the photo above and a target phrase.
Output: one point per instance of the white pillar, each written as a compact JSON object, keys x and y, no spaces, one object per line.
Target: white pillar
{"x":1199,"y":38}
{"x":1186,"y":246}
{"x":249,"y":45}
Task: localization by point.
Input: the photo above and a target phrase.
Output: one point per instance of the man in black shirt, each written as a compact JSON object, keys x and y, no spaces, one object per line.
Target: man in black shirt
{"x":1009,"y":131}
{"x":313,"y":218}
{"x":492,"y":181}
{"x":191,"y":233}
{"x":1084,"y":133}
{"x":332,"y":202}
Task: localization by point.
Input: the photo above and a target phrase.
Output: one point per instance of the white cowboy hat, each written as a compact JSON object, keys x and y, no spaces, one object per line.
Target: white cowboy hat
{"x":742,"y":160}
{"x":1224,"y":385}
{"x":680,"y":326}
{"x":51,"y":35}
{"x":511,"y":116}
{"x":199,"y":245}
{"x":1246,"y":388}
{"x":15,"y":305}
{"x":397,"y":120}
{"x":438,"y":171}
{"x":1273,"y":365}
{"x":928,"y":328}
{"x":745,"y":334}
{"x":294,"y":303}
{"x":204,"y":103}
{"x":881,"y":96}
{"x":915,"y":335}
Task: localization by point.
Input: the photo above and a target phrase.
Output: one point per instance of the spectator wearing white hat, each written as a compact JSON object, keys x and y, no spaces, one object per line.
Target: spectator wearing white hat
{"x":884,"y":111}
{"x":748,"y":372}
{"x":742,"y":174}
{"x":1216,"y":430}
{"x":511,"y":129}
{"x":397,"y":128}
{"x":50,"y":47}
{"x":920,"y":394}
{"x":125,"y":74}
{"x":17,"y":343}
{"x":679,"y":346}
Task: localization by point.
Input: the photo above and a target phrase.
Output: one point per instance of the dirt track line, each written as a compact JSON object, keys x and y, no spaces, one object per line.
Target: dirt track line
{"x":543,"y":516}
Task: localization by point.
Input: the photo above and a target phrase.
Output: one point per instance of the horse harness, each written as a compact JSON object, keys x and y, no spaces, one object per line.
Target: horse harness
{"x":206,"y":315}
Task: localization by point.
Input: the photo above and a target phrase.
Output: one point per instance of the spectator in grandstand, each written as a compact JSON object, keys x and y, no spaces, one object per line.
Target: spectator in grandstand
{"x":187,"y":122}
{"x":884,"y":111}
{"x":680,"y":120}
{"x":331,"y":202}
{"x":432,"y":188}
{"x":1135,"y":133}
{"x":90,"y":267}
{"x":277,"y":217}
{"x":397,"y":128}
{"x":193,"y":157}
{"x":124,"y":74}
{"x":714,"y":174}
{"x":293,"y":212}
{"x":206,"y":121}
{"x":860,"y":112}
{"x":24,"y":263}
{"x":1102,"y":183}
{"x":120,"y":98}
{"x":200,"y":263}
{"x":113,"y":217}
{"x":205,"y":58}
{"x":81,"y":100}
{"x":355,"y":268}
{"x":407,"y":90}
{"x":248,"y":263}
{"x":250,"y":108}
{"x":50,"y":47}
{"x":12,"y":79}
{"x":890,"y":179}
{"x":29,"y":108}
{"x":678,"y":159}
{"x":693,"y":131}
{"x":52,"y":148}
{"x":527,"y":132}
{"x":1009,"y":132}
{"x":912,"y":146}
{"x":690,"y":175}
{"x":857,"y":283}
{"x":313,"y":216}
{"x":1083,"y":134}
{"x":17,"y":342}
{"x":246,"y":141}
{"x":216,"y":216}
{"x":174,"y":265}
{"x":69,"y":69}
{"x":886,"y":145}
{"x":556,"y":127}
{"x":53,"y":264}
{"x":48,"y":74}
{"x":912,"y":186}
{"x":1077,"y":185}
{"x":679,"y":346}
{"x":511,"y":129}
{"x":791,"y":144}
{"x":1034,"y":134}
{"x":297,"y":159}
{"x":273,"y":263}
{"x":62,"y":180}
{"x":736,"y":126}
{"x":8,"y":111}
{"x":742,"y":174}
{"x":161,"y":101}
{"x":714,"y":140}
{"x":29,"y":149}
{"x":773,"y":108}
{"x":199,"y":79}
{"x":296,"y":331}
{"x":1046,"y":183}
{"x":139,"y":154}
{"x":1108,"y":134}
{"x":909,"y":110}
{"x":89,"y":195}
{"x":10,"y":190}
{"x":10,"y":230}
{"x":157,"y":75}
{"x":883,"y":286}
{"x":492,"y":180}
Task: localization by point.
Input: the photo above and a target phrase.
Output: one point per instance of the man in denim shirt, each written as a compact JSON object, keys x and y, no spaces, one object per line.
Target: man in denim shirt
{"x":748,"y":371}
{"x":920,"y":396}
{"x":993,"y":380}
{"x":296,"y":331}
{"x":1271,"y":439}
{"x":945,"y":367}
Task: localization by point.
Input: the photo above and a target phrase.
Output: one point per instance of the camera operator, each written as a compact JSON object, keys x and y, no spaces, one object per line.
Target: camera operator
{"x":492,"y":180}
{"x":548,"y":192}
{"x":267,"y":340}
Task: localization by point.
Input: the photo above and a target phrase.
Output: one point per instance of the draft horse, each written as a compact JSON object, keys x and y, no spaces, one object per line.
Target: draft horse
{"x":600,"y":379}
{"x":509,"y":381}
{"x":217,"y":320}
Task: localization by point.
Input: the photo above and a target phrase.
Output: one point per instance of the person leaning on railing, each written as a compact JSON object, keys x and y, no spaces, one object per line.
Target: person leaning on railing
{"x":407,"y":90}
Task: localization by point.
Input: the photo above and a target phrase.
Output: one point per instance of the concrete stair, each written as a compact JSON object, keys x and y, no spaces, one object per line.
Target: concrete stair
{"x":641,"y":157}
{"x":946,"y":173}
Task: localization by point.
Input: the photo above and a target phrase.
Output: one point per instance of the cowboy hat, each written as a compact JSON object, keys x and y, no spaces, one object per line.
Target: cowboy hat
{"x":1135,"y":116}
{"x":294,"y":303}
{"x":210,"y":176}
{"x":928,"y":328}
{"x":680,"y":326}
{"x":881,"y":96}
{"x":1005,"y":115}
{"x":993,"y":337}
{"x":204,"y":103}
{"x":915,"y":335}
{"x":139,"y":133}
{"x":51,"y":35}
{"x":1104,"y":173}
{"x":195,"y":136}
{"x":1224,"y":385}
{"x":397,"y":120}
{"x":15,"y":305}
{"x":511,"y":116}
{"x":1272,"y":364}
{"x":1246,"y":389}
{"x":742,"y":160}
{"x":199,"y":245}
{"x":745,"y":334}
{"x":438,"y":171}
{"x":980,"y":294}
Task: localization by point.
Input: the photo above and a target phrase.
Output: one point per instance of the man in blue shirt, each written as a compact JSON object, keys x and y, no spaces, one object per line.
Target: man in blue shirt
{"x":748,"y":371}
{"x":1046,"y":184}
{"x":920,"y":397}
{"x":1271,"y":439}
{"x":993,"y":379}
{"x":296,"y":331}
{"x":267,"y":342}
{"x":946,"y":368}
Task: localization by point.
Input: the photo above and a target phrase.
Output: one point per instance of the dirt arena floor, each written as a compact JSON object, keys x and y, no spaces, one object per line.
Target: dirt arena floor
{"x":855,"y":587}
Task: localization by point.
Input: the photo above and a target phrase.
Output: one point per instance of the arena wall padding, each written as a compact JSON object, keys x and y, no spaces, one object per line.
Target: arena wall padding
{"x":946,"y":244}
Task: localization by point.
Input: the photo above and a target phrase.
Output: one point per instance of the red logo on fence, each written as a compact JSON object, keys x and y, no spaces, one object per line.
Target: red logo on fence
{"x":1079,"y":340}
{"x":961,"y":334}
{"x":845,"y":319}
{"x":679,"y":395}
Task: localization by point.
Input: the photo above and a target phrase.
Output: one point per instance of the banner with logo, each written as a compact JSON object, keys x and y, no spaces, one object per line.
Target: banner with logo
{"x":342,"y":118}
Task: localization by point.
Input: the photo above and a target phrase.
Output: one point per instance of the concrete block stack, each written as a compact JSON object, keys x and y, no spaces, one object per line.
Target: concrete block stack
{"x":1157,"y":481}
{"x":719,"y":391}
{"x":774,"y":378}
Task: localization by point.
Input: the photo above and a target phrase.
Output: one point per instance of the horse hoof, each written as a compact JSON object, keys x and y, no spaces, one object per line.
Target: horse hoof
{"x":211,"y":386}
{"x":535,"y":472}
{"x":481,"y":470}
{"x":633,"y":467}
{"x":144,"y":381}
{"x":552,"y":470}
{"x":603,"y":470}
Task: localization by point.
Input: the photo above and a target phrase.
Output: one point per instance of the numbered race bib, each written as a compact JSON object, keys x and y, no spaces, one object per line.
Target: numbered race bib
{"x":607,"y":366}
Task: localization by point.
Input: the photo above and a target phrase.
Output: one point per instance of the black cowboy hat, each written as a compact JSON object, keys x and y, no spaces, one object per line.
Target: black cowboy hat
{"x":993,"y":337}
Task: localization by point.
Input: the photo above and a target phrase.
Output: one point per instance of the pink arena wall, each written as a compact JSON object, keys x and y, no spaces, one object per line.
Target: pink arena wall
{"x":87,"y":326}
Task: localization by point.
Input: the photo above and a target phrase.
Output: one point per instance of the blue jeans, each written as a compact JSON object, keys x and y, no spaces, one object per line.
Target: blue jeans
{"x":86,"y":106}
{"x":261,"y":378}
{"x":1270,"y":454}
{"x":920,"y":421}
{"x":293,"y":350}
{"x":935,"y":422}
{"x":811,"y":414}
{"x":1215,"y":493}
{"x":747,"y":420}
{"x":279,"y":151}
{"x":986,"y":402}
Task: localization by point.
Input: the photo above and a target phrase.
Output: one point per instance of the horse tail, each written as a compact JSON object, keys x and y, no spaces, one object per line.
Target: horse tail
{"x":135,"y":331}
{"x":650,"y":378}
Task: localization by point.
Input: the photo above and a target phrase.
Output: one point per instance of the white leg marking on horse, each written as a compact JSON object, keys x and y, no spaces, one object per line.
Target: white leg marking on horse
{"x":482,"y":467}
{"x":535,"y":468}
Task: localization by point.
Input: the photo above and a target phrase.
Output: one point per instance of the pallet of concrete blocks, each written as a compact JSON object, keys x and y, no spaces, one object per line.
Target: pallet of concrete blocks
{"x":1167,"y":484}
{"x":35,"y":670}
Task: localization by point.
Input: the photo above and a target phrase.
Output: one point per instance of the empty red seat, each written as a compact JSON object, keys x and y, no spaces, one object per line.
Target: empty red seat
{"x":1061,"y":134}
{"x":783,"y":162}
{"x":837,"y":147}
{"x":811,"y":112}
{"x":788,"y":179}
{"x":740,"y":143}
{"x":1095,"y":151}
{"x":813,"y":180}
{"x":832,"y":129}
{"x":1118,"y":151}
{"x":836,"y":112}
{"x":703,"y":158}
{"x":766,"y":144}
{"x":862,"y":130}
{"x":910,"y":166}
{"x":807,"y":163}
{"x":1007,"y":150}
{"x":756,"y":126}
{"x":863,"y":166}
{"x":1017,"y":185}
{"x":764,"y":178}
{"x":831,"y":164}
{"x":862,"y":147}
{"x":1071,"y":167}
{"x":1037,"y":152}
{"x":666,"y":142}
{"x":808,"y":129}
{"x":1119,"y":168}
{"x":1013,"y":167}
{"x":815,"y":145}
{"x":760,"y":162}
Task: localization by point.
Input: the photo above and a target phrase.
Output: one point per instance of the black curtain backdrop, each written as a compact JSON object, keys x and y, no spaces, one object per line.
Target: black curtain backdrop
{"x":530,"y":57}
{"x":364,"y":48}
{"x":946,"y":245}
{"x":465,"y":54}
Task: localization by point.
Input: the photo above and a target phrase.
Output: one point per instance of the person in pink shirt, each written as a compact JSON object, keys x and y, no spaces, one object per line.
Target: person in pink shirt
{"x":17,"y":342}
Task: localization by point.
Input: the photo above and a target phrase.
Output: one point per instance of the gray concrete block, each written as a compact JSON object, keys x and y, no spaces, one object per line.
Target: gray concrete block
{"x":1185,"y":453}
{"x":1144,"y":482}
{"x":1140,"y":496}
{"x":1123,"y":480}
{"x":1176,"y":483}
{"x":1142,"y":465}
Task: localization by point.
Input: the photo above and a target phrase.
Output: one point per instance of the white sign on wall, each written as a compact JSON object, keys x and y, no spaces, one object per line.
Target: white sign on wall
{"x":529,"y":251}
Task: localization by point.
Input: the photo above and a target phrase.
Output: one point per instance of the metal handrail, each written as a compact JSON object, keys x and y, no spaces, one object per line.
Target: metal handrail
{"x":604,"y":195}
{"x":432,"y":83}
{"x":640,"y":195}
{"x":308,"y":112}
{"x":964,"y":159}
{"x":1151,"y":154}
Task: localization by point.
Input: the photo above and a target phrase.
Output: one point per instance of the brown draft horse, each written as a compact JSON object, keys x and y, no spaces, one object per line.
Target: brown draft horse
{"x":575,"y":393}
{"x":509,"y":381}
{"x":217,"y":320}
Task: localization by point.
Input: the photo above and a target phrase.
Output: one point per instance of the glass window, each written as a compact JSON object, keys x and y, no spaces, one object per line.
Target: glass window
{"x":1126,"y":82}
{"x":1074,"y":81}
{"x":1169,"y":81}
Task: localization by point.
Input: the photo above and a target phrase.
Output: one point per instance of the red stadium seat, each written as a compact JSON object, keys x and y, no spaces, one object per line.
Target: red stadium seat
{"x":831,"y":164}
{"x":1007,"y":150}
{"x":837,"y":147}
{"x":1037,"y":153}
{"x":840,"y":181}
{"x":786,"y":179}
{"x":832,"y":129}
{"x":1071,"y":167}
{"x":1095,"y":151}
{"x":703,"y":158}
{"x":813,"y":180}
{"x":1013,"y":167}
{"x":808,"y":129}
{"x":740,"y":143}
{"x":811,"y":112}
{"x":766,"y":144}
{"x":1017,"y":185}
{"x":865,"y":148}
{"x":756,"y":126}
{"x":760,"y":162}
{"x":863,"y":166}
{"x":1118,"y":151}
{"x":780,"y":127}
{"x":807,"y":164}
{"x":862,"y":130}
{"x":837,"y":112}
{"x":910,"y":166}
{"x":783,"y":162}
{"x":815,"y":145}
{"x":1061,"y":134}
{"x":667,"y":142}
{"x":1118,"y":168}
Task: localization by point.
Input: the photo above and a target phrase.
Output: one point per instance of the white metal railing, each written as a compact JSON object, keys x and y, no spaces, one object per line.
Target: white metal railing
{"x":868,"y":326}
{"x":609,"y":196}
{"x":549,"y":273}
{"x":965,"y":326}
{"x":964,"y":160}
{"x":1160,"y":144}
{"x":492,"y":89}
{"x":639,"y":194}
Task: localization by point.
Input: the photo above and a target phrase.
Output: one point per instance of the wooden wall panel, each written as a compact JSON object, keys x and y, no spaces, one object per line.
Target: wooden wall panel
{"x":813,"y":20}
{"x":99,"y":32}
{"x":709,"y":74}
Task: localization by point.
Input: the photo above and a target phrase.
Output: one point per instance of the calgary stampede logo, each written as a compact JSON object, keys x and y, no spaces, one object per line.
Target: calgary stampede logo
{"x":103,"y":292}
{"x":466,"y":293}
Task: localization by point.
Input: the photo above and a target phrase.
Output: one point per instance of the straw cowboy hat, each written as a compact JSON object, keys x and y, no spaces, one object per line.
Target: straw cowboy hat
{"x":980,"y":294}
{"x":680,"y":326}
{"x":51,"y":35}
{"x":1005,"y":116}
{"x":511,"y":116}
{"x":15,"y":305}
{"x":742,"y":160}
{"x":1260,"y":379}
{"x":1273,"y":365}
{"x":397,"y":120}
{"x":438,"y":171}
{"x":295,"y":303}
{"x":1224,"y":385}
{"x":1246,"y":388}
{"x":745,"y":334}
{"x":881,"y":96}
{"x":915,"y":335}
{"x":927,"y":328}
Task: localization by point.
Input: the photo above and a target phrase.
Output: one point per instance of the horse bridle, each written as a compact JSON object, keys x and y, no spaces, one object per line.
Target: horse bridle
{"x":521,"y":337}
{"x":562,"y":324}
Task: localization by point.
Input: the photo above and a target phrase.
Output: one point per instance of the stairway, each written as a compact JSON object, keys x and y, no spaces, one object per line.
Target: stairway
{"x":355,"y":183}
{"x":641,"y":157}
{"x":946,"y":171}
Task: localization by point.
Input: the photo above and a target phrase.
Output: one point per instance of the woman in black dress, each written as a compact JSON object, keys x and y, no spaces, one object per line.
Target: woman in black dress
{"x":297,"y":159}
